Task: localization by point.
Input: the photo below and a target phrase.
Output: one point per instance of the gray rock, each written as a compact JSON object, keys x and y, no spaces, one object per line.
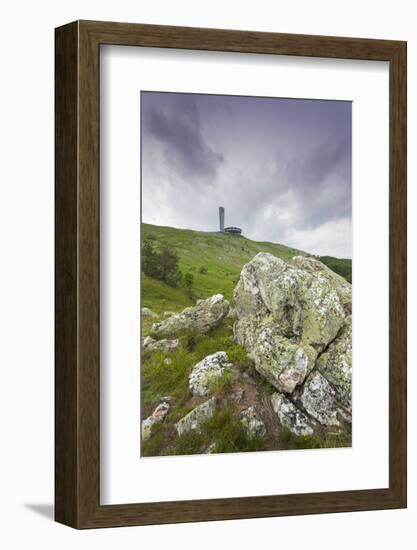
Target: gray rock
{"x":202,"y":317}
{"x":147,"y":313}
{"x":168,"y":314}
{"x":210,"y":449}
{"x":252,"y":423}
{"x":306,"y":301}
{"x":318,"y":399}
{"x":295,"y":322}
{"x":149,"y":344}
{"x":161,"y":411}
{"x":147,"y":425}
{"x":232,"y":313}
{"x":207,"y":370}
{"x":195,"y":418}
{"x":158,"y":415}
{"x":336,"y":365}
{"x":284,"y":364}
{"x":290,"y":416}
{"x":238,"y":395}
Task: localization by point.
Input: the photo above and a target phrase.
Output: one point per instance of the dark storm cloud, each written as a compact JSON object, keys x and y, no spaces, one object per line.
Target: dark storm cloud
{"x":281,"y":167}
{"x":173,"y":121}
{"x":321,"y":180}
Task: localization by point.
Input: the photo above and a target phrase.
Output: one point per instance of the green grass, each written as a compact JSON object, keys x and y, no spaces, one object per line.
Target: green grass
{"x":342,"y":266}
{"x":329,"y":440}
{"x":159,"y":379}
{"x":215,"y":260}
{"x":160,"y":297}
{"x":224,"y":430}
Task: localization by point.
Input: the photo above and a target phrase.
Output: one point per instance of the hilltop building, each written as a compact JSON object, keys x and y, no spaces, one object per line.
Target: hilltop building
{"x":231,"y":230}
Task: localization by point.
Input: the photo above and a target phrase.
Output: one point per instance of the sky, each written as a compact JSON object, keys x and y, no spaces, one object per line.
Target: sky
{"x":280,"y":167}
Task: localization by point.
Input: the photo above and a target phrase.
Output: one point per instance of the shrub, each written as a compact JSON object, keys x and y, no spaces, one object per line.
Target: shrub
{"x":203,"y":270}
{"x":188,"y":283}
{"x":219,"y":385}
{"x":160,"y":264}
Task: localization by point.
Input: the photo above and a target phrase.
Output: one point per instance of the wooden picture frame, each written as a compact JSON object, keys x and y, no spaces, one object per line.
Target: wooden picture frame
{"x":77,"y":373}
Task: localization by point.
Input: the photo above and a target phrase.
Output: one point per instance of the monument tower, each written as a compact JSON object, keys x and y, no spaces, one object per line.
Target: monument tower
{"x":230,"y":230}
{"x":221,"y":218}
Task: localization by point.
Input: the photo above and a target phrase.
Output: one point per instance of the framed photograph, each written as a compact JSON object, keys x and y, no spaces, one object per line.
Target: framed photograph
{"x":230,"y":274}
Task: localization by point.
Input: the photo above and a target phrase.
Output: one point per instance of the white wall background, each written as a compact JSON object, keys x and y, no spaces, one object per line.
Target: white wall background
{"x":26,"y":272}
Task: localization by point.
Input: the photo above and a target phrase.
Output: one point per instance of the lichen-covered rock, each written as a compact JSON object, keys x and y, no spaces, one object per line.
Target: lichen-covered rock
{"x":147,"y":425}
{"x":290,"y":416}
{"x":210,"y":449}
{"x":147,"y":313}
{"x":306,"y":301}
{"x":284,"y":364}
{"x":335,"y":364}
{"x":168,"y":314}
{"x":252,"y":423}
{"x":207,"y":370}
{"x":232,"y":313}
{"x":294,"y":319}
{"x":195,"y":418}
{"x":158,"y":415}
{"x":149,"y":344}
{"x":318,"y":398}
{"x":202,"y":317}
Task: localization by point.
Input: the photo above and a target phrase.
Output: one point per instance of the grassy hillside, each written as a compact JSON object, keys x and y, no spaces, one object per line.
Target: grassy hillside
{"x":342,"y":266}
{"x":215,"y":261}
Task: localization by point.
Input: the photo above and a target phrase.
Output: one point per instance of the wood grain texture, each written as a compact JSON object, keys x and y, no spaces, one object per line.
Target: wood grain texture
{"x":78,"y":285}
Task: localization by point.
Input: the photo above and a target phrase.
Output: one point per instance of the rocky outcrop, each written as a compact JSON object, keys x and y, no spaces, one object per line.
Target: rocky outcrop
{"x":204,"y":316}
{"x":206,"y":371}
{"x":290,"y":416}
{"x":283,"y":363}
{"x":194,"y":419}
{"x":158,"y":415}
{"x":335,"y":364}
{"x":318,"y":398}
{"x":295,"y":322}
{"x":252,"y":423}
{"x":149,"y":344}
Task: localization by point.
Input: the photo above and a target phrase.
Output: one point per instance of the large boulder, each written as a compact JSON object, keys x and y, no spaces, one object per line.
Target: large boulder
{"x":304,"y":301}
{"x":284,"y":364}
{"x":335,"y":364}
{"x":204,"y":316}
{"x":294,"y":319}
{"x":206,"y":371}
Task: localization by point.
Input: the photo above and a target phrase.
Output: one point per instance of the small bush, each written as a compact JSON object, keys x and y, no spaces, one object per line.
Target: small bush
{"x":219,"y":385}
{"x":226,"y":430}
{"x":155,"y":445}
{"x":189,"y":443}
{"x":203,"y":270}
{"x":328,"y":440}
{"x":160,"y":264}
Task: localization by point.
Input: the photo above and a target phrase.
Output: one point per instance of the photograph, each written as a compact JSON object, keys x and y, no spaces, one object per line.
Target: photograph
{"x":246,"y":274}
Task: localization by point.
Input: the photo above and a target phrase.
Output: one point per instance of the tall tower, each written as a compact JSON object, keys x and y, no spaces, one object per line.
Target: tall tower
{"x":221,"y":218}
